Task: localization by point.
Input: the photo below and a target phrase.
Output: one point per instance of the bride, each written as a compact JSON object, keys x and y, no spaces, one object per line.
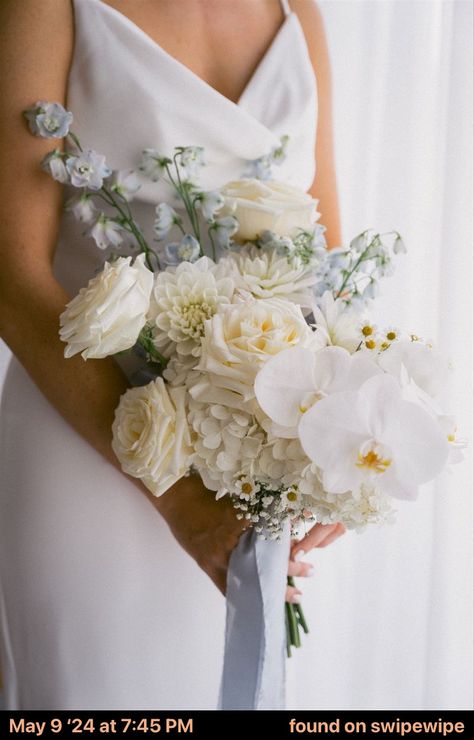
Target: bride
{"x":108,"y":596}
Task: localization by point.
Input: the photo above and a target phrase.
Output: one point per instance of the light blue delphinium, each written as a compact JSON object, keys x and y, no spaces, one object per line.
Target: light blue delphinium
{"x":153,"y":164}
{"x":48,"y":120}
{"x":280,"y":244}
{"x":87,"y":170}
{"x":166,"y":218}
{"x":262,"y":168}
{"x":125,"y":183}
{"x":209,"y":202}
{"x":54,"y":164}
{"x":188,"y":250}
{"x":106,"y":232}
{"x":82,"y":207}
{"x":353,"y":274}
{"x":191,"y":160}
{"x":223,"y":230}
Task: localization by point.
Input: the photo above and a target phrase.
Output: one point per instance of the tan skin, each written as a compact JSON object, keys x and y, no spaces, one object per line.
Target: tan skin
{"x":222,"y":42}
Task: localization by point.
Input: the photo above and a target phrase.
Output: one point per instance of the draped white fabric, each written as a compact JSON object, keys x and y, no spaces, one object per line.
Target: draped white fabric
{"x":390,"y":609}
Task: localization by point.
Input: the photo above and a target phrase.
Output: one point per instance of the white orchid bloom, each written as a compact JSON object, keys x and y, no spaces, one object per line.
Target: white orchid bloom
{"x":423,"y":364}
{"x":294,"y":380}
{"x":456,"y":443}
{"x":373,"y":435}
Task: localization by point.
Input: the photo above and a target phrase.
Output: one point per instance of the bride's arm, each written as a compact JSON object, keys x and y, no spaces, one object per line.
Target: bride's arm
{"x":324,"y":186}
{"x":36,"y":41}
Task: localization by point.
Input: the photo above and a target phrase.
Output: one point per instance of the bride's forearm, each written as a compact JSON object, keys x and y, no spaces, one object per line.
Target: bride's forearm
{"x":85,"y":393}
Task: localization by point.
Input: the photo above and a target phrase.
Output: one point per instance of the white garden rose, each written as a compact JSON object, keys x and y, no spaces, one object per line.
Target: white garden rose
{"x":238,"y":340}
{"x":108,"y":314}
{"x":267,"y":206}
{"x":151,"y":435}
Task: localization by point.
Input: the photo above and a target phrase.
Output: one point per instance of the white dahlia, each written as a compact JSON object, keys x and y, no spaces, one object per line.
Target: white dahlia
{"x":266,"y":274}
{"x":183,"y":299}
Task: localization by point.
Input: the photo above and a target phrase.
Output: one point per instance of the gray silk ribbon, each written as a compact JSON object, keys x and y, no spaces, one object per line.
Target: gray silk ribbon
{"x":253,"y":675}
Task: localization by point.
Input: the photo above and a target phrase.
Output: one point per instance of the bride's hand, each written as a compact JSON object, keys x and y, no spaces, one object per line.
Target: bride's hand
{"x":207,"y":529}
{"x":321,"y":535}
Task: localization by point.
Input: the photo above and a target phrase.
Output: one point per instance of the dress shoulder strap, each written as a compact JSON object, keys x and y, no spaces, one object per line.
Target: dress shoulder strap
{"x":285,"y":6}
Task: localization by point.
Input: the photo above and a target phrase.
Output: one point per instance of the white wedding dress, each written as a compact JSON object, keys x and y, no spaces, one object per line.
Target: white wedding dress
{"x":99,"y":606}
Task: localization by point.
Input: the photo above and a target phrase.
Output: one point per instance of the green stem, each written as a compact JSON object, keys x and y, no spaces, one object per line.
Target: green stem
{"x":288,"y":637}
{"x":362,"y":258}
{"x":190,"y":210}
{"x":295,"y":634}
{"x":128,"y":218}
{"x":150,"y":348}
{"x":301,"y":618}
{"x":298,"y":614}
{"x":75,"y":140}
{"x":213,"y":244}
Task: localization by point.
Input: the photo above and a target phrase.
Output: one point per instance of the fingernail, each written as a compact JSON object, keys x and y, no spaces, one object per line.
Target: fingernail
{"x":295,"y":598}
{"x":310,"y":572}
{"x":300,"y":554}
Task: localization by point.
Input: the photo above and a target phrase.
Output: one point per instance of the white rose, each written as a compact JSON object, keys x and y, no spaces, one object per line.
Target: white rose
{"x":267,"y":206}
{"x":239,"y":340}
{"x":107,"y":315}
{"x":151,"y":435}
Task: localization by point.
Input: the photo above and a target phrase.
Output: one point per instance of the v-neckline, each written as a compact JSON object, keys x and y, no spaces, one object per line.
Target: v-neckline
{"x":189,"y":72}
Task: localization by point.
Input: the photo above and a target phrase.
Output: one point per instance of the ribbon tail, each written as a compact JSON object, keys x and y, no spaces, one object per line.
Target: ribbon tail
{"x":253,"y":675}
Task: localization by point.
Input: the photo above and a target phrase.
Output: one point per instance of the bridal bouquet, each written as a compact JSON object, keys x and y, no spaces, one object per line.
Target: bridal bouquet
{"x":266,"y":373}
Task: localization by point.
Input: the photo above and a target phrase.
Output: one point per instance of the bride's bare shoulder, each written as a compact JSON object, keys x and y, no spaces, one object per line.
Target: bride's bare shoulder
{"x":312,"y":23}
{"x":36,"y":42}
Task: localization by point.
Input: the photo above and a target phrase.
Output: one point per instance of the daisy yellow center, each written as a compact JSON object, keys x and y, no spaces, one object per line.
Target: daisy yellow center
{"x":373,"y":461}
{"x":451,"y":437}
{"x":371,"y":344}
{"x":391,"y":336}
{"x":292,"y":496}
{"x":367,"y":330}
{"x":246,"y":488}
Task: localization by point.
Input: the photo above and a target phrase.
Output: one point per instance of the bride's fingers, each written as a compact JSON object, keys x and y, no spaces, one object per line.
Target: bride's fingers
{"x":293,"y":595}
{"x":299,"y":569}
{"x":321,"y":535}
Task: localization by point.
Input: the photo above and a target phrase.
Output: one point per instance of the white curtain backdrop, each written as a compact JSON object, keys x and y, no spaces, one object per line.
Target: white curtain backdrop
{"x":390,"y":610}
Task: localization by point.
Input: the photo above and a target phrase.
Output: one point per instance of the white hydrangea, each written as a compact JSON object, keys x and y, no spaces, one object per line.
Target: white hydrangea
{"x":227,"y":443}
{"x":183,"y":299}
{"x":266,"y":274}
{"x":231,"y":444}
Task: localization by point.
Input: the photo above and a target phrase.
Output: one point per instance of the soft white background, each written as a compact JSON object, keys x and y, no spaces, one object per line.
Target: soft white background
{"x":390,"y":610}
